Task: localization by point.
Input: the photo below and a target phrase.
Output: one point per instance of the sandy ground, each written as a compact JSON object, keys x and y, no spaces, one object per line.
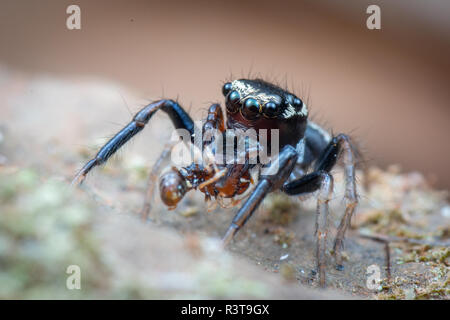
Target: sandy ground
{"x":54,"y":125}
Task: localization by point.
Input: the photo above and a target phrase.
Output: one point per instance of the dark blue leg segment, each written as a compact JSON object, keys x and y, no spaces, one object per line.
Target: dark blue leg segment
{"x":271,"y":179}
{"x":317,"y":139}
{"x":306,"y":184}
{"x":179,"y":117}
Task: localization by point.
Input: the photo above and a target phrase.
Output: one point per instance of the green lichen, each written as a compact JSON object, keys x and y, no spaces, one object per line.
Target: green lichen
{"x":43,"y":231}
{"x":45,"y":227}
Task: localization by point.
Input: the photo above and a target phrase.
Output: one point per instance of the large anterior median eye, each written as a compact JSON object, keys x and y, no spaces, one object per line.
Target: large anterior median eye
{"x":232,"y":101}
{"x":271,"y":110}
{"x":250,"y":110}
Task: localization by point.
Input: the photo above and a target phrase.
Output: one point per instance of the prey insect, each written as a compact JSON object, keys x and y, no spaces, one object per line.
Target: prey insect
{"x":306,"y":155}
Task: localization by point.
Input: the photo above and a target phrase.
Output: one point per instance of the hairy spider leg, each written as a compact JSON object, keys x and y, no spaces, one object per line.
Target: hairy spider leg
{"x":179,"y":117}
{"x":350,"y":197}
{"x":323,"y":181}
{"x":320,"y":179}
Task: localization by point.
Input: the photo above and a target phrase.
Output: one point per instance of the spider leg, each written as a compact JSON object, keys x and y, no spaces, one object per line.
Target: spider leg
{"x":214,"y":120}
{"x":215,"y":123}
{"x":339,"y":145}
{"x":317,"y":140}
{"x":179,"y":117}
{"x":271,"y":179}
{"x":323,"y":181}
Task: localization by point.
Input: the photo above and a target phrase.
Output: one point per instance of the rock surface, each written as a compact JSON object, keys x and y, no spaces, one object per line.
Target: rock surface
{"x":50,"y":126}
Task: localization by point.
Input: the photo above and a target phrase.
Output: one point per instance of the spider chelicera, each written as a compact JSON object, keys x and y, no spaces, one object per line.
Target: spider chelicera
{"x":302,"y":166}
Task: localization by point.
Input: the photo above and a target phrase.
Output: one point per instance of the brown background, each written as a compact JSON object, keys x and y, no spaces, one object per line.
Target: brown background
{"x":388,"y":88}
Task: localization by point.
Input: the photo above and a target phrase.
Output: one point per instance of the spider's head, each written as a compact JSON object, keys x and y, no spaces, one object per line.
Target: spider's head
{"x":257,"y":99}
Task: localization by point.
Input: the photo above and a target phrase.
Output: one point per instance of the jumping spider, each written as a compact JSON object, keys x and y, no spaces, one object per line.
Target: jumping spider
{"x":302,"y":166}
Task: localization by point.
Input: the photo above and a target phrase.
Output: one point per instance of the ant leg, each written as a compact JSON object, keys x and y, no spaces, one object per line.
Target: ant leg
{"x":274,"y":176}
{"x":179,"y":117}
{"x":323,"y":181}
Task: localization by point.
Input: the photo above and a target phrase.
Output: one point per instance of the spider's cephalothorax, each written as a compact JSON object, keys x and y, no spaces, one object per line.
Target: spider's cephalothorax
{"x":262,"y":105}
{"x":307,"y":153}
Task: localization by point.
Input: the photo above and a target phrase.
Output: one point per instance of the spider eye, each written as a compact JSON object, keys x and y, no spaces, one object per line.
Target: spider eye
{"x":232,"y":101}
{"x":297,"y":102}
{"x":250,"y":111}
{"x":271,"y":110}
{"x":226,"y":88}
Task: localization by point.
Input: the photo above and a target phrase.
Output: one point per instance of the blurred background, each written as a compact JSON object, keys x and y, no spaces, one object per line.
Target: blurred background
{"x":388,"y":88}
